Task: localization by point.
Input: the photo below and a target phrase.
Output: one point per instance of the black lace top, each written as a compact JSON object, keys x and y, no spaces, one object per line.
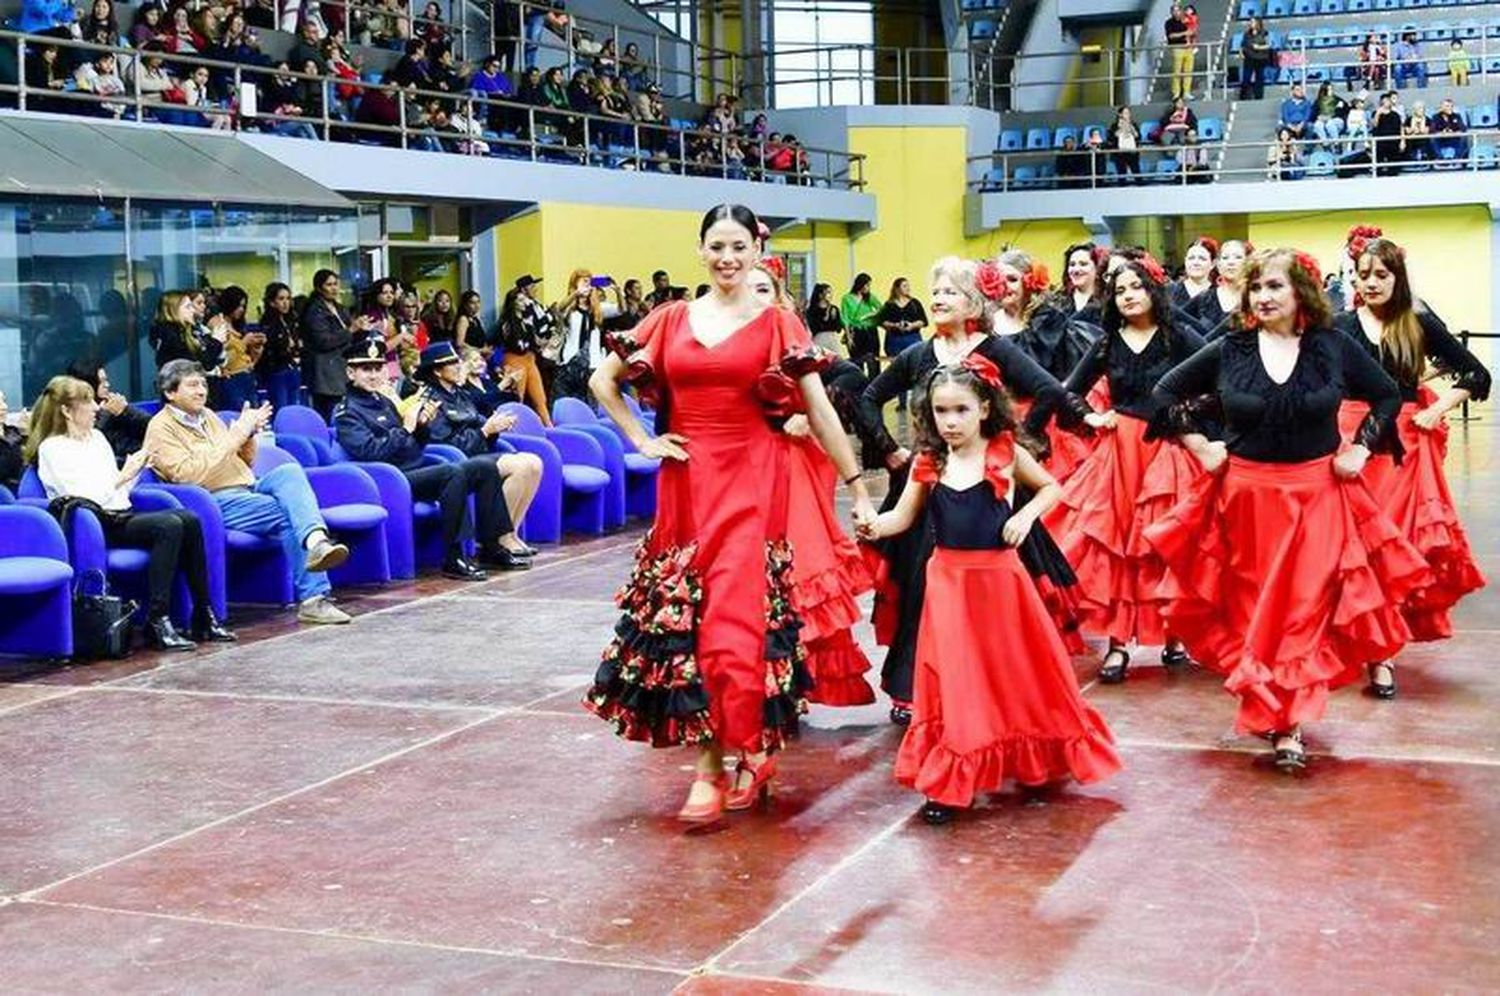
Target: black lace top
{"x":967,"y":519}
{"x":1279,"y":423}
{"x":1058,"y":340}
{"x":1132,"y":376}
{"x":1447,"y":354}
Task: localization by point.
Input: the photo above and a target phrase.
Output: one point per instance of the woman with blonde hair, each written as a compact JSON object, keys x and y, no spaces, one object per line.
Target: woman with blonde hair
{"x":74,"y":460}
{"x":580,"y":316}
{"x":176,"y":335}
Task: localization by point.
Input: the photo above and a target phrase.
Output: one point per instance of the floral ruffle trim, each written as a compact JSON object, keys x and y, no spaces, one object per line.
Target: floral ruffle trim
{"x":640,"y":373}
{"x":787,"y":678}
{"x":777,"y":388}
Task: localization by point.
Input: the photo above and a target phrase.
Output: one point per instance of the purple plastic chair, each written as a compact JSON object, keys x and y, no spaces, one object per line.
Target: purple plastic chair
{"x":352,"y":508}
{"x":640,"y":471}
{"x":580,"y":463}
{"x":306,"y":423}
{"x":36,"y":584}
{"x":614,"y":463}
{"x":413,"y":529}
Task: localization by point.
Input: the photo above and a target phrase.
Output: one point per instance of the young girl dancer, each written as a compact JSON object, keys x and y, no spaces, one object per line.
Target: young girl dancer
{"x":996,"y":698}
{"x":1414,"y":493}
{"x":1126,"y":483}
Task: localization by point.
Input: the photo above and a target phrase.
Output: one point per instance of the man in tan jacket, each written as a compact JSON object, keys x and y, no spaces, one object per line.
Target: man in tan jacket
{"x":193,"y":446}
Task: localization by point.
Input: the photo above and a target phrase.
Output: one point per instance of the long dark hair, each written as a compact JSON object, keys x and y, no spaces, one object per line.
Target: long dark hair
{"x":818,"y":291}
{"x":737,"y":213}
{"x":1401,"y":339}
{"x":861,"y":283}
{"x":372,"y":293}
{"x":231,"y":299}
{"x":1001,"y":418}
{"x":1097,"y":255}
{"x":1110,"y":318}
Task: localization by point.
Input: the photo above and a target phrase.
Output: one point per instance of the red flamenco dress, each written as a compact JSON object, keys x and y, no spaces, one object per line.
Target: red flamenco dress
{"x":993,"y":702}
{"x":1127,"y":483}
{"x":1291,"y":578}
{"x":830,"y":574}
{"x":707,"y":646}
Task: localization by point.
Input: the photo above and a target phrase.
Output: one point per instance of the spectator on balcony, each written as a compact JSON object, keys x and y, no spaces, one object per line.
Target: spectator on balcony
{"x":1357,"y":129}
{"x":192,"y":445}
{"x":1416,"y":145}
{"x":1256,"y":57}
{"x":122,"y":424}
{"x":1407,"y":62}
{"x":280,"y":360}
{"x":633,"y":68}
{"x":183,"y":38}
{"x":1124,"y":142}
{"x":1179,"y":36}
{"x":281,"y":94}
{"x":1372,"y":63}
{"x":432,"y":30}
{"x":581,"y":92}
{"x":607,"y":62}
{"x":1177,"y":122}
{"x":46,"y":72}
{"x":56,"y":18}
{"x":1458,"y":63}
{"x":236,"y":386}
{"x":1329,"y":112}
{"x":614,"y":105}
{"x":1448,"y":130}
{"x":439,"y":317}
{"x":239,"y":44}
{"x":101,"y":27}
{"x":380,"y":108}
{"x":327,"y":331}
{"x":1386,"y":129}
{"x":1296,"y":112}
{"x":341,"y":66}
{"x":490,"y":81}
{"x":543,"y":15}
{"x":1284,"y":159}
{"x":99,"y":78}
{"x":149,"y":26}
{"x":74,"y":460}
{"x":195,"y":95}
{"x":1193,"y":159}
{"x":389,"y":26}
{"x":413,"y":69}
{"x":373,"y":425}
{"x":309,"y":46}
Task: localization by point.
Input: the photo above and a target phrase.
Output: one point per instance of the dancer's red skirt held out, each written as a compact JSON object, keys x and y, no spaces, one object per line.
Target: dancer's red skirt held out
{"x":994,"y":702}
{"x":1290,"y":581}
{"x":1126,"y":484}
{"x":1415,"y":495}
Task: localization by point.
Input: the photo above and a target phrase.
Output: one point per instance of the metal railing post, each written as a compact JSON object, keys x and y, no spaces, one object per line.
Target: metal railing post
{"x":401,"y":117}
{"x":21,"y":73}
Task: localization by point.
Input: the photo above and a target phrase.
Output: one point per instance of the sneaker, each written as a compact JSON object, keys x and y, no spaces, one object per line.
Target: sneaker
{"x":325,"y":555}
{"x":320,"y":609}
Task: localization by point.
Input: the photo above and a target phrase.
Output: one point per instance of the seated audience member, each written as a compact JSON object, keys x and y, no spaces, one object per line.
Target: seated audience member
{"x":100,"y":78}
{"x":371,"y":427}
{"x":150,"y":77}
{"x":1072,"y":166}
{"x":12,"y":445}
{"x":309,"y":46}
{"x":489,"y":384}
{"x":1416,"y":146}
{"x":491,"y":81}
{"x":1177,"y":122}
{"x":100,"y":26}
{"x":1284,"y":159}
{"x":1458,"y":63}
{"x":1296,"y":112}
{"x":1193,"y":158}
{"x":1329,"y":112}
{"x":74,"y":460}
{"x":381,"y":107}
{"x":413,"y":69}
{"x":191,"y":445}
{"x":122,"y":424}
{"x":46,"y":71}
{"x":1447,"y":128}
{"x":633,"y":68}
{"x":1407,"y":62}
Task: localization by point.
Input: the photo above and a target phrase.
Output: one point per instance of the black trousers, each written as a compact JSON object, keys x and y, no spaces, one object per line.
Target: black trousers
{"x":450,"y":484}
{"x":864,"y":350}
{"x":174,"y":539}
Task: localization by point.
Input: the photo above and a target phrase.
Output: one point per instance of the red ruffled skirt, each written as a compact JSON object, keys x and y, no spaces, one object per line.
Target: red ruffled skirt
{"x":1415,"y":495}
{"x":829,"y":574}
{"x":994,"y":702}
{"x":1290,"y":582}
{"x":1126,"y":485}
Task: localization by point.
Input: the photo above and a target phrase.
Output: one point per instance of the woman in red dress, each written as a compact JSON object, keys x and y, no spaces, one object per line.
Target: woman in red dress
{"x":1414,"y":493}
{"x":993,"y":702}
{"x":1126,"y":483}
{"x":829,"y":571}
{"x":706,"y":652}
{"x":1289,"y":575}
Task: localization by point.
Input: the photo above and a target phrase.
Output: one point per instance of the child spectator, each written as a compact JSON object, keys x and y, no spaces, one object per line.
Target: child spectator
{"x":1458,"y":63}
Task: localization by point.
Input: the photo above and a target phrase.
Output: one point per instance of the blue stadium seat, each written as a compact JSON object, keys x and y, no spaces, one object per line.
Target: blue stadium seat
{"x":1484,"y":157}
{"x":1352,"y":36}
{"x":983,"y":30}
{"x":1278,"y":8}
{"x":1387,"y":4}
{"x":994,"y":181}
{"x":1438,"y":31}
{"x":1063,"y":133}
{"x":1326,"y":38}
{"x":1359,"y":6}
{"x":1469,"y":30}
{"x":1304,"y":8}
{"x":1024,"y":178}
{"x":1011,"y":140}
{"x":1038,"y":139}
{"x":1237,"y":41}
{"x":1492,"y":64}
{"x":1166,"y":170}
{"x":1331,"y":7}
{"x":1483,"y":116}
{"x":1449,"y":158}
{"x":1249,"y":9}
{"x":1047,"y":176}
{"x":1493,"y":27}
{"x":1210,"y":129}
{"x":1295,"y":39}
{"x":1315,"y":74}
{"x":1321,"y":163}
{"x":1409,"y":4}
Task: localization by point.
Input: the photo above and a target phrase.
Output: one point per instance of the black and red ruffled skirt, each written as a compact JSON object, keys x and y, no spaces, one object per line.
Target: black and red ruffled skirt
{"x":1127,"y":484}
{"x":1290,"y":580}
{"x":1415,"y":495}
{"x":996,"y":698}
{"x":1066,"y":451}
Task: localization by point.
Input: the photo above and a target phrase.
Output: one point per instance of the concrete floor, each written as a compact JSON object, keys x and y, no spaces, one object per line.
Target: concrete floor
{"x":415,"y":802}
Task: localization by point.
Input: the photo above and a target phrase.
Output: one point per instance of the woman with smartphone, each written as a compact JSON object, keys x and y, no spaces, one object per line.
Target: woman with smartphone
{"x":581,"y":315}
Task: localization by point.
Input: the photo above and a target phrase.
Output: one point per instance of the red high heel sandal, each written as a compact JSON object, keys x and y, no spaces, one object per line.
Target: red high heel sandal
{"x":759,"y":787}
{"x":712,"y":810}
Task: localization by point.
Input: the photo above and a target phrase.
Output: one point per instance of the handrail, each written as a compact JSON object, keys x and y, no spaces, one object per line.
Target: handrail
{"x":649,"y":145}
{"x":1097,"y":175}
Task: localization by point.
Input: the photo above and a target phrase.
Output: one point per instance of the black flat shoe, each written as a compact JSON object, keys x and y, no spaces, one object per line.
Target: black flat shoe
{"x":162,"y":635}
{"x":1290,"y":754}
{"x":502,"y":559}
{"x":1176,"y":660}
{"x":1114,"y":674}
{"x":460,"y":569}
{"x":936,"y":814}
{"x":1385,"y":691}
{"x":901,"y":715}
{"x":208,"y":629}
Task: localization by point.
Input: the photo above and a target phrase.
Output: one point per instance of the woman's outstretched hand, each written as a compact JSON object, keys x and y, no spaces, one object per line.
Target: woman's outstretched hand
{"x":667,"y":446}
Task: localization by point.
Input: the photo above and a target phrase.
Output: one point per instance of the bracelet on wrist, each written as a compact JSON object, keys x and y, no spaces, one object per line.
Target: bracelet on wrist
{"x":853,"y":477}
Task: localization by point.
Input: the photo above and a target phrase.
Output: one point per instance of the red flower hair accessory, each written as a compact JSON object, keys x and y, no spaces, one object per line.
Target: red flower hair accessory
{"x":1309,"y":266}
{"x":1359,"y":237}
{"x":983,"y":368}
{"x":1037,"y":279}
{"x":775,"y":266}
{"x":1153,"y":269}
{"x":989,"y":281}
{"x":1209,"y":243}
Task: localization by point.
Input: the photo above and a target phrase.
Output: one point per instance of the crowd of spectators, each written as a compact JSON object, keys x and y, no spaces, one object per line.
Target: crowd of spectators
{"x":1366,"y":131}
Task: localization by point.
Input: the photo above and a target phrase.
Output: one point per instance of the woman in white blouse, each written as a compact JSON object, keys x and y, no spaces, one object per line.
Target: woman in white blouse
{"x":73,"y":459}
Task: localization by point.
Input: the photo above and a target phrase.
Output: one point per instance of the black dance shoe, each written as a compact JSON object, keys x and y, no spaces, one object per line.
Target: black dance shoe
{"x":1291,"y":756}
{"x":208,"y":629}
{"x":162,"y":635}
{"x":1114,"y":674}
{"x":936,"y":814}
{"x":1383,"y":690}
{"x":1176,"y":660}
{"x":502,"y":559}
{"x":460,"y":569}
{"x":901,"y":715}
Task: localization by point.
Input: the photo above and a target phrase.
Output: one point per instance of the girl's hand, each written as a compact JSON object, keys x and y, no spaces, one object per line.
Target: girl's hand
{"x":1427,"y":419}
{"x":1102,"y":420}
{"x":1017,"y":528}
{"x":864,"y":513}
{"x":871,"y":529}
{"x":1212,"y":456}
{"x":898,"y":459}
{"x":1351,"y":462}
{"x":667,"y":446}
{"x":797,"y":427}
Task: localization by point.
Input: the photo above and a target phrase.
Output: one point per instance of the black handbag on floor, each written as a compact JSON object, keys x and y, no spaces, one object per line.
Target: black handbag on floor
{"x":101,"y":622}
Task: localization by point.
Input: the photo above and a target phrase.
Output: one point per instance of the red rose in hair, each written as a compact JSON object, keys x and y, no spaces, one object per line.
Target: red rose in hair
{"x":983,"y":368}
{"x":1037,"y":279}
{"x":989,"y":281}
{"x":1153,"y":269}
{"x":1309,"y":266}
{"x":1211,"y":244}
{"x":775,"y":266}
{"x":1359,"y":238}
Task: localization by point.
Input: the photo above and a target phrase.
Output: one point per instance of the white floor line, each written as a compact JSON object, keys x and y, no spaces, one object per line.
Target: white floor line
{"x":490,"y":710}
{"x":63,"y":691}
{"x":338,"y":935}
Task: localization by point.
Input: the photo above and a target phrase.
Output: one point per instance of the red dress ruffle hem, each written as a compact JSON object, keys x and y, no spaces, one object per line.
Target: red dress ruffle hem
{"x":1067,"y":450}
{"x":1416,"y":497}
{"x":707,"y":645}
{"x":995,"y":693}
{"x":1290,"y":582}
{"x":830,"y":574}
{"x":1127,"y":484}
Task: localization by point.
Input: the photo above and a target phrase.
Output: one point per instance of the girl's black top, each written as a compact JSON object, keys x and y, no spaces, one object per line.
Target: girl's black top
{"x":1132,"y":376}
{"x":1442,"y":348}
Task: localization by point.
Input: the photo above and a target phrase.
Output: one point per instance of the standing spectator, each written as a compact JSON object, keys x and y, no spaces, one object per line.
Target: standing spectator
{"x":581,"y":317}
{"x":1458,"y":63}
{"x":903,"y":319}
{"x":1177,"y":122}
{"x":122,"y":424}
{"x":633,"y":68}
{"x":468,"y":328}
{"x":12,"y":445}
{"x":1072,"y":166}
{"x":242,"y":348}
{"x":1448,"y":128}
{"x":859,"y":310}
{"x":1179,"y":36}
{"x":191,"y":445}
{"x":1357,"y":125}
{"x":525,"y":326}
{"x":1372,"y":63}
{"x":635,"y":303}
{"x":439,"y":317}
{"x":1124,"y":141}
{"x":1256,"y":56}
{"x":149,"y":26}
{"x":543,"y":15}
{"x":381,"y":310}
{"x":176,"y":335}
{"x":1386,"y":130}
{"x":1296,"y":112}
{"x":327,"y":331}
{"x":1407,"y":62}
{"x":824,"y":321}
{"x":661,"y":289}
{"x":281,"y":357}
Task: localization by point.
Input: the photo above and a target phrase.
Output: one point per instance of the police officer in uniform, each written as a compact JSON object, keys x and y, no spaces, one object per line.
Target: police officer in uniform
{"x":370,"y":427}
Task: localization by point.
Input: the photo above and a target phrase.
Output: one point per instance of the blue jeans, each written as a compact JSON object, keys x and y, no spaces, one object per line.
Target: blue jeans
{"x":283,"y":387}
{"x":1410,"y":70}
{"x":280,"y":506}
{"x":536,"y":23}
{"x":237,"y":391}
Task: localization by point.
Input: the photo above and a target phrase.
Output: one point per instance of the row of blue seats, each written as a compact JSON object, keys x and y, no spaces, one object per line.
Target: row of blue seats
{"x":1042,"y":139}
{"x":1305,"y":8}
{"x":592,"y":479}
{"x":1043,"y":176}
{"x":1338,"y":72}
{"x":984,"y":4}
{"x":1323,"y":163}
{"x":1354,"y":35}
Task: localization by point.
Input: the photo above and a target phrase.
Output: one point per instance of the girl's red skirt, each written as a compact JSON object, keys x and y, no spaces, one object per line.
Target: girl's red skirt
{"x":1290,"y":580}
{"x":994,"y":702}
{"x":1415,"y":495}
{"x":1126,"y":484}
{"x":829,"y":573}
